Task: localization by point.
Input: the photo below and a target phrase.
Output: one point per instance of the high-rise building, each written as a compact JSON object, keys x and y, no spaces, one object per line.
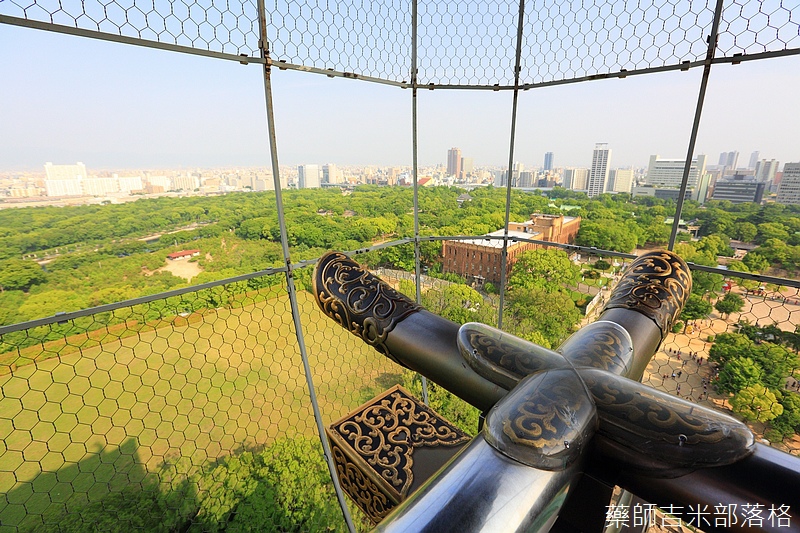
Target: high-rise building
{"x":548,"y":161}
{"x":728,"y":160}
{"x":186,"y":183}
{"x":64,"y":180}
{"x":454,"y":162}
{"x":308,"y":177}
{"x":575,"y":179}
{"x":622,"y":179}
{"x":467,"y":166}
{"x":100,"y":186}
{"x":753,"y":159}
{"x":331,"y":174}
{"x":598,"y":174}
{"x":765,"y":170}
{"x":669,"y":172}
{"x":789,"y":187}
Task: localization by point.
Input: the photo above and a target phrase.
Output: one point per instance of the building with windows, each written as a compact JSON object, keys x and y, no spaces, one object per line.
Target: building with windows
{"x":669,"y":172}
{"x":548,"y":161}
{"x":598,"y":174}
{"x":480,"y":259}
{"x":454,"y":162}
{"x":308,"y":177}
{"x":64,"y":180}
{"x":621,"y":180}
{"x":789,"y":187}
{"x":739,"y":189}
{"x":576,"y":179}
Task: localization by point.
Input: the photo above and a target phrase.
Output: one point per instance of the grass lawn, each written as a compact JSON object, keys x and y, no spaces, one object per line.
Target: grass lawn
{"x":76,"y":426}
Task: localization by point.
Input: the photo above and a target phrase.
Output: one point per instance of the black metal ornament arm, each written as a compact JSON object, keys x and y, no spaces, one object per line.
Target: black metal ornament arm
{"x":579,"y":408}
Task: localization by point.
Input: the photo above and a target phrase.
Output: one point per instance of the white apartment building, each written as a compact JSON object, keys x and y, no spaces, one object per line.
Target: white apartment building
{"x":308,"y":177}
{"x":598,"y":174}
{"x":789,"y":188}
{"x":64,"y":180}
{"x":576,"y":179}
{"x":669,"y":172}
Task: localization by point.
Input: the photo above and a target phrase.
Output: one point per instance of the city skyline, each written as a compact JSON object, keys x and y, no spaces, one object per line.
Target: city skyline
{"x":205,"y":112}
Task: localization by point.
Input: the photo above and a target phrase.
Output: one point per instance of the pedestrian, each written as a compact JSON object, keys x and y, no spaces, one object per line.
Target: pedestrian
{"x":680,"y":372}
{"x":673,"y":375}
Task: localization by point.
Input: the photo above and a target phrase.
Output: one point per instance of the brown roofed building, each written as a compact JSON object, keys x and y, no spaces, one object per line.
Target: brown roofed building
{"x":183,"y":254}
{"x":479,"y":259}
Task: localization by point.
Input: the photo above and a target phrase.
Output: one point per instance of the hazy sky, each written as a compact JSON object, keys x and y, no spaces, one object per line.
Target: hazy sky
{"x":65,"y":99}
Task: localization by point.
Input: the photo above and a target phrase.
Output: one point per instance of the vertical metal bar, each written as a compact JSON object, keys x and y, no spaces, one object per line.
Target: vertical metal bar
{"x":504,"y":253}
{"x":712,"y":47}
{"x":298,"y":327}
{"x":414,"y":171}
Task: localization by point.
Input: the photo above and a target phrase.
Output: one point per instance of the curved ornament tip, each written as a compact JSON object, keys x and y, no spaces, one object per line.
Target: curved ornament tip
{"x":359,"y":301}
{"x":657,"y":284}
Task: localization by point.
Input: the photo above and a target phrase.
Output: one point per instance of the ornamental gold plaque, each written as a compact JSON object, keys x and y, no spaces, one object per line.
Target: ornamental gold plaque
{"x":388,"y":447}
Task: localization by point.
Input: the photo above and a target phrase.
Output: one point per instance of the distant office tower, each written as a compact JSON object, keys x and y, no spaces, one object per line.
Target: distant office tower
{"x":575,"y":179}
{"x":454,"y":162}
{"x":621,"y":179}
{"x":669,"y":172}
{"x":331,"y":174}
{"x":548,"y":161}
{"x":789,"y":188}
{"x":525,"y":179}
{"x":64,"y":180}
{"x":753,"y":159}
{"x":598,"y":174}
{"x":308,"y":177}
{"x":729,"y":160}
{"x":765,"y":170}
{"x":467,"y":166}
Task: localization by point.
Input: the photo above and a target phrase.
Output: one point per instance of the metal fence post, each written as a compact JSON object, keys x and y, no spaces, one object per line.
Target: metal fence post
{"x":712,"y":46}
{"x":298,"y":327}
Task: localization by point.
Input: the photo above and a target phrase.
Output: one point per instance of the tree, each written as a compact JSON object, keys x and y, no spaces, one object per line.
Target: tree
{"x":602,"y":264}
{"x":19,"y":275}
{"x":757,"y":402}
{"x":696,"y":308}
{"x":728,"y":346}
{"x":730,"y":303}
{"x":552,"y":314}
{"x":544,"y":269}
{"x":788,"y":422}
{"x":739,"y":373}
{"x":745,"y":231}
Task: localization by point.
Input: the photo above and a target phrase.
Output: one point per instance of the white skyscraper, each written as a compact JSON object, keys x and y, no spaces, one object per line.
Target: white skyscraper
{"x":331,"y":174}
{"x":308,"y":177}
{"x":598,"y":174}
{"x":766,"y":169}
{"x":753,"y":159}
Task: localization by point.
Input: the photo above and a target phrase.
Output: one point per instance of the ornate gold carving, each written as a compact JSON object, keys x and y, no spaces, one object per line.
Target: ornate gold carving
{"x":602,"y":344}
{"x":359,"y":301}
{"x":659,"y":426}
{"x":545,"y":421}
{"x":502,"y":358}
{"x":657,"y":284}
{"x":369,"y":496}
{"x":385,"y":433}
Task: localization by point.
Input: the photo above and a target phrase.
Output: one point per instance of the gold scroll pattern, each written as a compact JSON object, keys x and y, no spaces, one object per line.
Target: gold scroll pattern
{"x":515,"y":356}
{"x":368,"y":495}
{"x":663,"y":427}
{"x":385,"y":433}
{"x":657,"y":284}
{"x":602,"y":345}
{"x":545,"y":421}
{"x":359,"y":301}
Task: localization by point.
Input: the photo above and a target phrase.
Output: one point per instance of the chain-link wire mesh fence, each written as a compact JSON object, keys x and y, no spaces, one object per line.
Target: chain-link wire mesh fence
{"x":185,"y":412}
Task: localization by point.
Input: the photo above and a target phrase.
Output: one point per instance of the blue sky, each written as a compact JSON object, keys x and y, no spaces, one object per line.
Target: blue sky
{"x":66,"y":99}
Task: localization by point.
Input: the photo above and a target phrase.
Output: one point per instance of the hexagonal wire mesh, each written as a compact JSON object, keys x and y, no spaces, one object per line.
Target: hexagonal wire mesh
{"x":229,"y":26}
{"x":164,"y":401}
{"x":459,"y":43}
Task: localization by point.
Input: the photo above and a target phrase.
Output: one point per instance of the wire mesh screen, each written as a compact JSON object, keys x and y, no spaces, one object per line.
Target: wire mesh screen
{"x":229,"y":26}
{"x":573,"y":39}
{"x":756,"y":27}
{"x":173,"y":414}
{"x":467,"y":43}
{"x":363,"y":37}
